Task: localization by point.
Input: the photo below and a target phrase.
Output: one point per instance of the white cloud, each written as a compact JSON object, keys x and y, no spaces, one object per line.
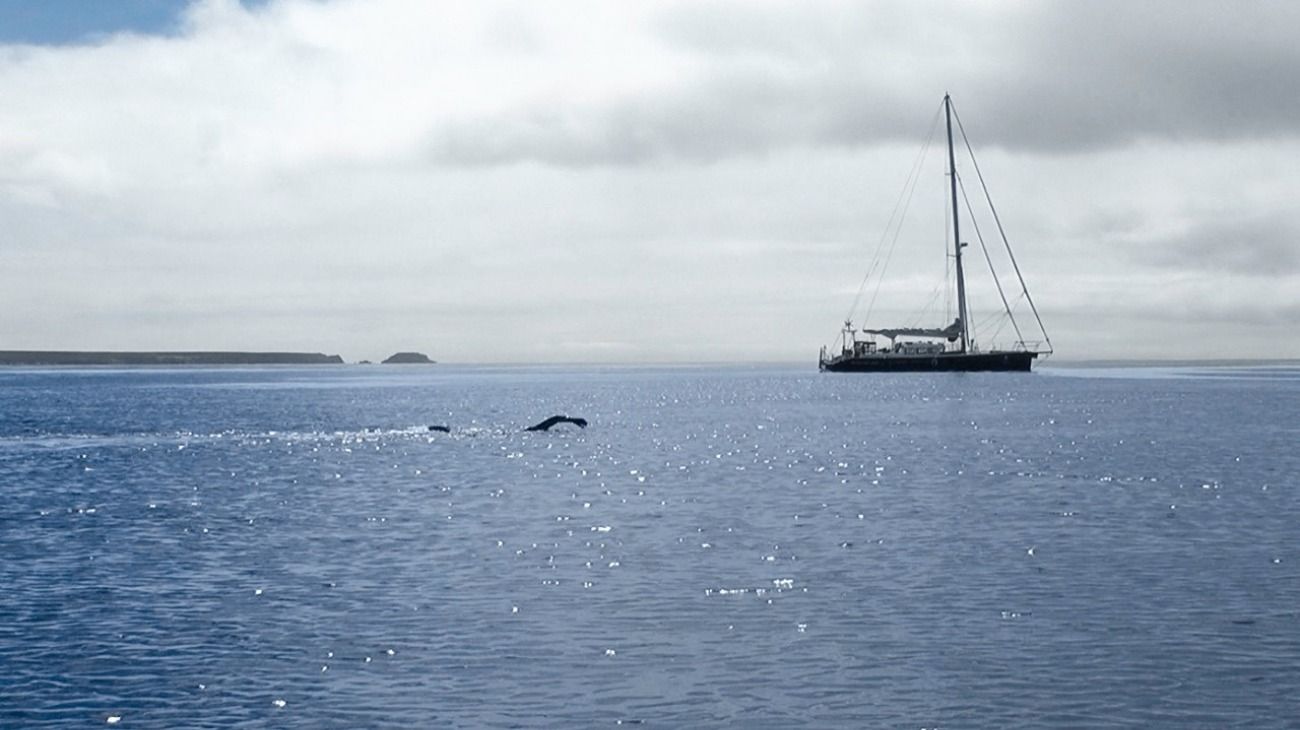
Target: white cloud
{"x":628,"y":181}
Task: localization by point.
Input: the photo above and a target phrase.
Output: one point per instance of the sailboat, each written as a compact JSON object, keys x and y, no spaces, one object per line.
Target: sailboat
{"x":952,"y":347}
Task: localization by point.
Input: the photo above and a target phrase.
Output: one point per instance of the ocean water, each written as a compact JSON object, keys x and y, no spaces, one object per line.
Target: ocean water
{"x":721,"y":547}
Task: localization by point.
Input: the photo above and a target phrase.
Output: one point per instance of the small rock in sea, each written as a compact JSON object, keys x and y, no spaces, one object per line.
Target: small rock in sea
{"x":408,"y":358}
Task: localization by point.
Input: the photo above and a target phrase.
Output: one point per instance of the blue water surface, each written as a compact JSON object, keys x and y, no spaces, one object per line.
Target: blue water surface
{"x":721,"y":547}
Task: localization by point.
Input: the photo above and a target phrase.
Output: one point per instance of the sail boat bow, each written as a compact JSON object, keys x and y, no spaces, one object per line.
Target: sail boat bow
{"x":948,"y":348}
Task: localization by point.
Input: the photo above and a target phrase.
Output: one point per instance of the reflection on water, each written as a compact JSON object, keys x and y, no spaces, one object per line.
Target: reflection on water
{"x":746,"y":547}
{"x":1287,"y":370}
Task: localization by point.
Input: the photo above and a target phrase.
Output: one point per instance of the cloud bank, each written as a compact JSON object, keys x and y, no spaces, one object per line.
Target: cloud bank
{"x":648,"y":181}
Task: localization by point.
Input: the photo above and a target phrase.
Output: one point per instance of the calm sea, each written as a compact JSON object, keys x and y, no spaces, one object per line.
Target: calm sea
{"x":743,"y":547}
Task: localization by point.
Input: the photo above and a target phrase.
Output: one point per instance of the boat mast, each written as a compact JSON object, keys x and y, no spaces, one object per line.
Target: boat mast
{"x":956,"y":231}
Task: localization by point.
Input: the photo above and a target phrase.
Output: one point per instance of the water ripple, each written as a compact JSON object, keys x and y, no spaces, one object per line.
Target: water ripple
{"x":722,"y":547}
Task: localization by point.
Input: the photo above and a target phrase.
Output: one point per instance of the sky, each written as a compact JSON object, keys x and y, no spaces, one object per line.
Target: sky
{"x":647,"y":181}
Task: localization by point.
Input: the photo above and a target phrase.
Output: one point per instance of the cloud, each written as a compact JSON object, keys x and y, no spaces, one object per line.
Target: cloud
{"x":1055,"y":78}
{"x":510,"y":180}
{"x":1260,"y":244}
{"x":293,"y":84}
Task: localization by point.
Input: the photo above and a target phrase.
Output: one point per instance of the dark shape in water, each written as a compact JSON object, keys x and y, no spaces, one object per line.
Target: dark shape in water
{"x":553,"y":420}
{"x":442,"y":429}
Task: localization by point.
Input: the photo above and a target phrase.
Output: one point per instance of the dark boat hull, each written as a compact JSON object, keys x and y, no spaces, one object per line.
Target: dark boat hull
{"x":946,"y":363}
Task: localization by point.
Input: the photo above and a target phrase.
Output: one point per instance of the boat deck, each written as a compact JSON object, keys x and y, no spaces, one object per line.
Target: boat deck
{"x":994,"y":361}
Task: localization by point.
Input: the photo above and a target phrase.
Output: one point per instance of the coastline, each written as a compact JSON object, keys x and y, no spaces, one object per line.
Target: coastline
{"x":80,"y":357}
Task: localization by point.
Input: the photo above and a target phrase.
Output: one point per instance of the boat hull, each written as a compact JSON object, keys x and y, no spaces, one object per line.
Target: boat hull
{"x":945,"y":363}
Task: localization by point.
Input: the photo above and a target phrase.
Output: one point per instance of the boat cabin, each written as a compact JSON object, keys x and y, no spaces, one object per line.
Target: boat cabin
{"x":863,"y":347}
{"x":919,"y":348}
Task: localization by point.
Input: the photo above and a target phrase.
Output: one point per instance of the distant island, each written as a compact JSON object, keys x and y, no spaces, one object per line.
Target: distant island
{"x":409,"y":358}
{"x":72,"y":357}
